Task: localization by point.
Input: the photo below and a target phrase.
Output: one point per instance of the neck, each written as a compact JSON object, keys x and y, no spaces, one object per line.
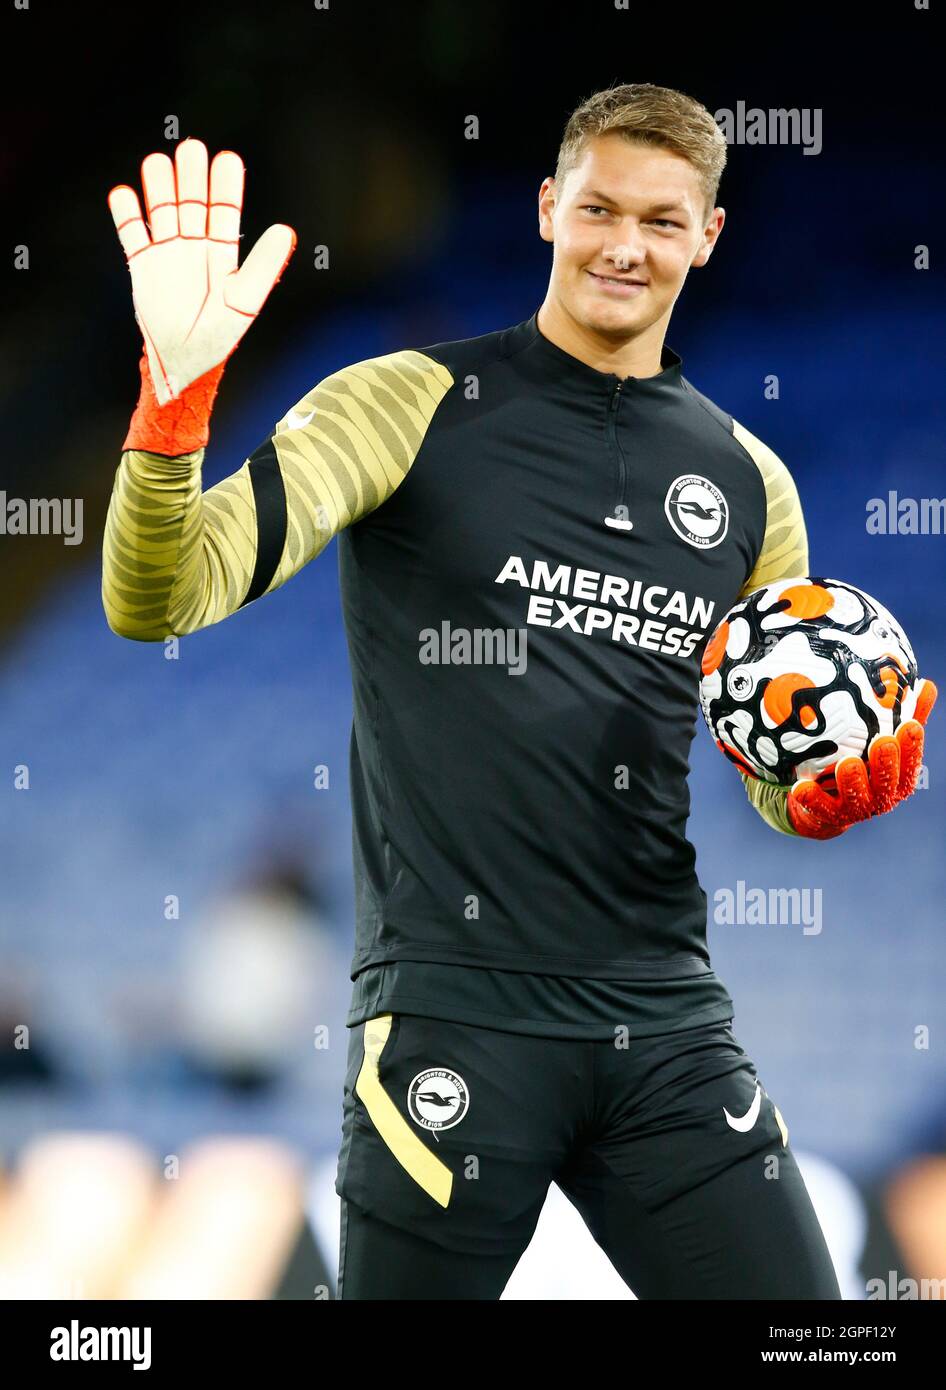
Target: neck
{"x":638,"y":356}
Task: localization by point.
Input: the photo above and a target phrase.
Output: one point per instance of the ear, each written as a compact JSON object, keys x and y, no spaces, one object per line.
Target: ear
{"x":546,"y":209}
{"x":710,"y":237}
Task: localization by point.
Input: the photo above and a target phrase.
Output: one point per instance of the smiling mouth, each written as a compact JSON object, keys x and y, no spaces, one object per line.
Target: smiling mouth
{"x":616,"y":280}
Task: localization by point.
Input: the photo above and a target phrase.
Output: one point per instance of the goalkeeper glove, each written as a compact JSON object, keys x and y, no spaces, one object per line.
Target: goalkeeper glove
{"x":192,"y":303}
{"x":844,"y":794}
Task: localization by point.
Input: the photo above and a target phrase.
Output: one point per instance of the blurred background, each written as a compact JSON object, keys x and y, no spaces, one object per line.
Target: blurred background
{"x":176,"y":913}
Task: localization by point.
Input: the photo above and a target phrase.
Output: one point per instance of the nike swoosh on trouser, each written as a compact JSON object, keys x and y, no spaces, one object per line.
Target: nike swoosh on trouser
{"x":745,"y":1122}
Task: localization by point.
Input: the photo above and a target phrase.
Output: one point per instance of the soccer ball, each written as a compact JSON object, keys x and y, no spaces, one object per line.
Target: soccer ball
{"x":802,"y":673}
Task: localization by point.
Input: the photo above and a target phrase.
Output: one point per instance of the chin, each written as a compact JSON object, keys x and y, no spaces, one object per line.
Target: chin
{"x":610,"y":318}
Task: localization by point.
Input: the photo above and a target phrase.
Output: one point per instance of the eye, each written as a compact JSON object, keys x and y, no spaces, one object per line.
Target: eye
{"x":593,"y":208}
{"x":666,"y":221}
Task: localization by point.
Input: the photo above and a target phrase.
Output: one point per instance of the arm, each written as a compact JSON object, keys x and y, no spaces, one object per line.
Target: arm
{"x":784,"y":555}
{"x":176,"y":559}
{"x":823,"y":808}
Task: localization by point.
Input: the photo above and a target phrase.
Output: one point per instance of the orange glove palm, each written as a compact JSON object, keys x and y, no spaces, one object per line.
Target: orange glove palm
{"x":825,"y":807}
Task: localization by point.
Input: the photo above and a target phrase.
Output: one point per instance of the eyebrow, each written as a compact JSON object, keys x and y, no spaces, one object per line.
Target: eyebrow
{"x":606,"y":198}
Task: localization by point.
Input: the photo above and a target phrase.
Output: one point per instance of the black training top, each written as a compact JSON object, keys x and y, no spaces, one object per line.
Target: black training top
{"x":525,"y":617}
{"x":533,"y":554}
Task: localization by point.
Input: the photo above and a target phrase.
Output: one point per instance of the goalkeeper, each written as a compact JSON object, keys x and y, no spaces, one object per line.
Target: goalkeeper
{"x":532,"y":986}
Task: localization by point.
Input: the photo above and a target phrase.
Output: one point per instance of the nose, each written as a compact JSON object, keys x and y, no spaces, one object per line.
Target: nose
{"x":627,"y":253}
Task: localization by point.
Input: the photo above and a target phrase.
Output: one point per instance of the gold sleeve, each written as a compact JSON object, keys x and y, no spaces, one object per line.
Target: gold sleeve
{"x":176,"y":559}
{"x":784,"y":555}
{"x":771,"y":802}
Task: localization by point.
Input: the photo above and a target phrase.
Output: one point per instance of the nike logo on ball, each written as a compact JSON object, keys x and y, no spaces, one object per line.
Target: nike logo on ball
{"x":296,"y":422}
{"x":745,"y":1122}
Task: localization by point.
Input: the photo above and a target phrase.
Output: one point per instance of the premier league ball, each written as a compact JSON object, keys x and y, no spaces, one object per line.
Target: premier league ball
{"x":802,"y":673}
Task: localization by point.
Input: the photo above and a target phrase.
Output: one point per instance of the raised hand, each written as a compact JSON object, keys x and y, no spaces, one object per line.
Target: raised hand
{"x":192,"y":302}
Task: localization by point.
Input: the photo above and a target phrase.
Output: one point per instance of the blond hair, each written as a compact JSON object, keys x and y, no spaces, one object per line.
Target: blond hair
{"x":649,"y":115}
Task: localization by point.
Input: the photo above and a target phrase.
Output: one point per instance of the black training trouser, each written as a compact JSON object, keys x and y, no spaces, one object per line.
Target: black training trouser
{"x":669,"y":1147}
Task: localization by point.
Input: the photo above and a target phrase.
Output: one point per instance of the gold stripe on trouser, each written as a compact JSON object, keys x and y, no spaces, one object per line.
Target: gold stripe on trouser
{"x":407,"y":1147}
{"x":782,"y":1125}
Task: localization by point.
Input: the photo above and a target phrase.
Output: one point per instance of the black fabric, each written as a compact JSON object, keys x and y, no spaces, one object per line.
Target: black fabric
{"x":535,"y":823}
{"x":269,"y":496}
{"x":547,"y":1006}
{"x":682,"y":1203}
{"x":378,"y":1261}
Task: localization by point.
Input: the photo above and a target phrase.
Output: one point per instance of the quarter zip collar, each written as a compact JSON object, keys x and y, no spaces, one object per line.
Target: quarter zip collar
{"x":564,"y":369}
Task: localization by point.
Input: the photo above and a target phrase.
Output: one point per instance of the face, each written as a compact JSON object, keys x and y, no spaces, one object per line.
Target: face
{"x":631,"y":212}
